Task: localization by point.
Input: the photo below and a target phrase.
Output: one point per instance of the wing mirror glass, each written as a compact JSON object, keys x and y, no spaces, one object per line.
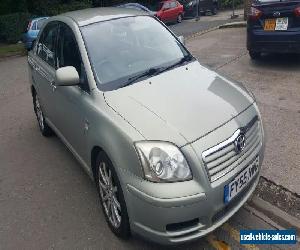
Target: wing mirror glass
{"x":66,"y":76}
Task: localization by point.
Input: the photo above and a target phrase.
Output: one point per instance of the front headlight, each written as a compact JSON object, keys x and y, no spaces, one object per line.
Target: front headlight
{"x":163,"y":162}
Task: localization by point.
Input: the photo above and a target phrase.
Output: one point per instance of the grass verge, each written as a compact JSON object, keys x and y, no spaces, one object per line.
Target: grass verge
{"x":12,"y":50}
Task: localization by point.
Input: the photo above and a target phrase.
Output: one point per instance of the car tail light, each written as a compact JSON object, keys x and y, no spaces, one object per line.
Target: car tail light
{"x":254,"y":14}
{"x":29,"y":25}
{"x":297,"y":12}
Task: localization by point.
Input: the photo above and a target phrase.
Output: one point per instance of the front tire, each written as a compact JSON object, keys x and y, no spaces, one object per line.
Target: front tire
{"x":44,"y":127}
{"x":111,"y":197}
{"x":254,"y":55}
{"x":179,"y":18}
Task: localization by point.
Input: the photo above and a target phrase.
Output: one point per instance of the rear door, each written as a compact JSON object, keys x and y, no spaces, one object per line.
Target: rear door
{"x":175,"y":10}
{"x":166,"y":12}
{"x":44,"y":67}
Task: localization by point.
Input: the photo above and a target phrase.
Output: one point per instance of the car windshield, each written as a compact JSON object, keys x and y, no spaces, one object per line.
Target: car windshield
{"x":122,"y":49}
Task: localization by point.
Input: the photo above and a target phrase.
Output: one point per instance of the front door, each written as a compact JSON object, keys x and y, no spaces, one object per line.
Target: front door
{"x":72,"y":102}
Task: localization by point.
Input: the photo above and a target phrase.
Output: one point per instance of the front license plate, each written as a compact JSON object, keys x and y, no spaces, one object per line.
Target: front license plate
{"x":240,"y":181}
{"x":276,"y":24}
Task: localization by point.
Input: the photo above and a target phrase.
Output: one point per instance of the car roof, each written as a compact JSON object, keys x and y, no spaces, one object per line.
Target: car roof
{"x":94,"y":15}
{"x":39,"y":18}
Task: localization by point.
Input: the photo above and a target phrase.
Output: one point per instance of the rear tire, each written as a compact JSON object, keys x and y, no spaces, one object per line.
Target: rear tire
{"x":111,"y":197}
{"x":44,"y":127}
{"x":254,"y":55}
{"x":179,"y":18}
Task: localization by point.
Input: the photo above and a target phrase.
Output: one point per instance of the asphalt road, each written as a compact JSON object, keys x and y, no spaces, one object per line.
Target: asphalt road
{"x":189,"y":27}
{"x":46,"y":199}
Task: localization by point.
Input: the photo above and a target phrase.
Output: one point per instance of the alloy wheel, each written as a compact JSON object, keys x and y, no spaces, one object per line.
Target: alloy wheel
{"x":109,"y":195}
{"x":39,"y":113}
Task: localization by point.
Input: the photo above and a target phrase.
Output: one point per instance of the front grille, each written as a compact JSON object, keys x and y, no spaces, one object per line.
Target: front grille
{"x":223,"y":158}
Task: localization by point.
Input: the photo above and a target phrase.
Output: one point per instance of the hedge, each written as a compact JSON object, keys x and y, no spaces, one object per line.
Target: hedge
{"x":227,"y":4}
{"x":12,"y":26}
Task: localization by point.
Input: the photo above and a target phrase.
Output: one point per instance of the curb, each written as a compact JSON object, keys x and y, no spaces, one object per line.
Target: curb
{"x":270,"y":213}
{"x":200,"y":33}
{"x":240,"y":24}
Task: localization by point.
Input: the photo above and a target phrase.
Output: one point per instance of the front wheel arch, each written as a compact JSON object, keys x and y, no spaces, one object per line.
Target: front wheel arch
{"x":94,"y":154}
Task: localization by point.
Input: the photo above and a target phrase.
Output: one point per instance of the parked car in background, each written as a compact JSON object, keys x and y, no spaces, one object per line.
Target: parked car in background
{"x":33,"y":28}
{"x":169,"y":11}
{"x":137,"y":6}
{"x":273,"y":27}
{"x":205,"y":6}
{"x":174,"y":148}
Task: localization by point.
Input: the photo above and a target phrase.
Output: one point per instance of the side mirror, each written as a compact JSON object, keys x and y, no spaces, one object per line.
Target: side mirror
{"x":181,"y":39}
{"x":66,"y":76}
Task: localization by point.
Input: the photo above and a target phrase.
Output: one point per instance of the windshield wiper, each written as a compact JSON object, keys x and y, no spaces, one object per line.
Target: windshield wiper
{"x":156,"y":71}
{"x":183,"y":60}
{"x":149,"y":72}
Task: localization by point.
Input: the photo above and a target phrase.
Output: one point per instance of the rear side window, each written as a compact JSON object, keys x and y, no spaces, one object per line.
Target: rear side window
{"x":167,"y":6}
{"x":47,"y":43}
{"x":173,"y":4}
{"x":39,"y":23}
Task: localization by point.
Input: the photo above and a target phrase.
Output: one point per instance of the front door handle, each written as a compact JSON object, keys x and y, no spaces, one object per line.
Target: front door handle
{"x":86,"y":125}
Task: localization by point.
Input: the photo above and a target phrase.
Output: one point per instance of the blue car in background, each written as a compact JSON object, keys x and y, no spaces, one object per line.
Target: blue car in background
{"x":32,"y":31}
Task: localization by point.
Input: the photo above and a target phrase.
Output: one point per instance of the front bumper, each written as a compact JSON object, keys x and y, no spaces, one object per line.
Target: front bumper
{"x":170,"y":213}
{"x":181,"y":223}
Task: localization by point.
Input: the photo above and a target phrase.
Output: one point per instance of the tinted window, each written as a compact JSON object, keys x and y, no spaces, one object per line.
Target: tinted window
{"x":39,"y":23}
{"x":68,"y":53}
{"x":47,"y":43}
{"x":33,"y":27}
{"x":173,"y":4}
{"x":121,"y":48}
{"x":167,"y":6}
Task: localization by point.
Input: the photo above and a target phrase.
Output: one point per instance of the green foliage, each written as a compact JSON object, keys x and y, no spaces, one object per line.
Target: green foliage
{"x":55,"y":7}
{"x":12,"y":26}
{"x":227,"y":4}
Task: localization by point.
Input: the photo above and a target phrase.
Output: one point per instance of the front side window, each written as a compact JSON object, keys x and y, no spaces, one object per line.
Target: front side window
{"x":68,"y":53}
{"x":122,"y":48}
{"x":47,"y":43}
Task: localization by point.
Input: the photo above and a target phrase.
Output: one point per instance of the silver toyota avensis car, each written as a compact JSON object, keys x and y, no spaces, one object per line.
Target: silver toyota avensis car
{"x":175,"y":149}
